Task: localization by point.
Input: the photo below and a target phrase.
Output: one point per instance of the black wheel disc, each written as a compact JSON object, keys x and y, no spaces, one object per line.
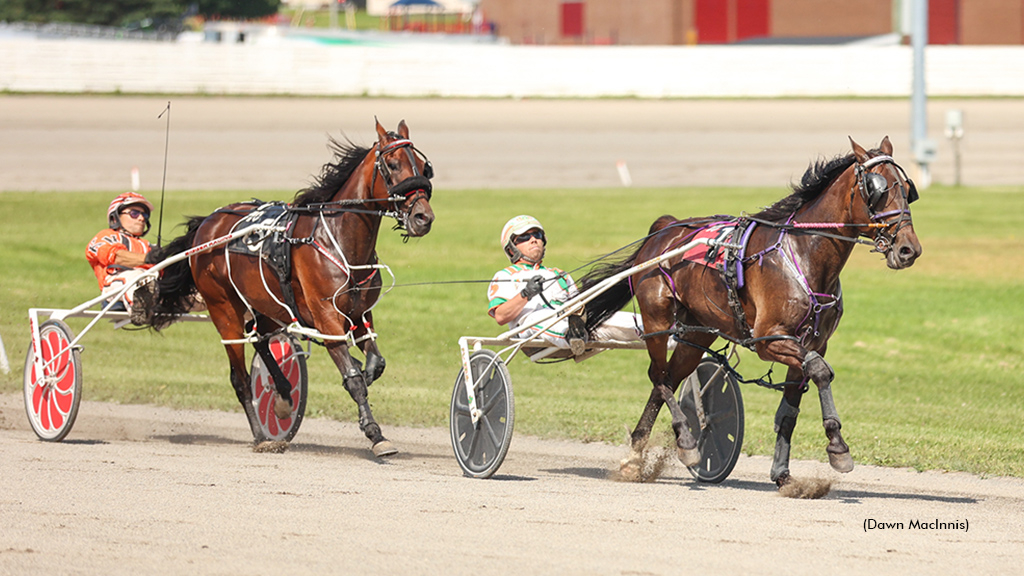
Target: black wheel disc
{"x":720,"y":442}
{"x":481,"y":448}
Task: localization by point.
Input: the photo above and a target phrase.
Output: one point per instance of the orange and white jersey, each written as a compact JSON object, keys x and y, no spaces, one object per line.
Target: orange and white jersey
{"x":103,"y":248}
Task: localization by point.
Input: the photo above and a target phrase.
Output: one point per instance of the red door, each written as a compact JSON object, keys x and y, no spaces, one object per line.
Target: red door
{"x":721,"y":21}
{"x":944,"y":22}
{"x":752,"y":19}
{"x":572,"y":19}
{"x":712,"y":21}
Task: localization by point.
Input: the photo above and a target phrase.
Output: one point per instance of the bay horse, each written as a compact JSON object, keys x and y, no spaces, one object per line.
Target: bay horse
{"x":331,"y":281}
{"x":773,"y":287}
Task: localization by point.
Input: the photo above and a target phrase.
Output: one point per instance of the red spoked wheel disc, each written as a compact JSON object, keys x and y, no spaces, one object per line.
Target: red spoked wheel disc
{"x":292,"y":360}
{"x":53,"y":392}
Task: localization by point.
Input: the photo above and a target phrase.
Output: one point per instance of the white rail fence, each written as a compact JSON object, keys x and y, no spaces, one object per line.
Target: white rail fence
{"x":290,"y":67}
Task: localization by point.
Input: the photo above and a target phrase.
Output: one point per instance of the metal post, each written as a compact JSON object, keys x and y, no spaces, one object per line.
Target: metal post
{"x":924,"y":149}
{"x":955,"y":131}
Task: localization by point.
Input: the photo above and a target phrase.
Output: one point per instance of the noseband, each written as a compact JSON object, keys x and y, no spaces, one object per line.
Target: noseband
{"x":873,"y":188}
{"x":408,"y":191}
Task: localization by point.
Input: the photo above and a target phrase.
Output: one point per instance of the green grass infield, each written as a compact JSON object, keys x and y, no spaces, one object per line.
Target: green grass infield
{"x":928,"y":360}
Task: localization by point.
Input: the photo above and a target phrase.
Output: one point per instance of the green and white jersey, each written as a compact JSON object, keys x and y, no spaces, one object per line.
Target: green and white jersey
{"x":507,"y":283}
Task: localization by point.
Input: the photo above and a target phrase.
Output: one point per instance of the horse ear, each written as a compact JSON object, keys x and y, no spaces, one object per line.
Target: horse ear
{"x":403,"y":130}
{"x":382,"y":134}
{"x":886,"y":146}
{"x":858,"y":151}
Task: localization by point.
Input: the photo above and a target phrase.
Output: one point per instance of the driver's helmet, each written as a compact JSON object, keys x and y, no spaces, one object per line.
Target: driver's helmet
{"x":513,"y":228}
{"x":120,"y":203}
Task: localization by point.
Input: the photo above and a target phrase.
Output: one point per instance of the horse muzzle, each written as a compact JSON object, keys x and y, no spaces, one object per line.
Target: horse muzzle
{"x":420,"y":216}
{"x":903,"y":252}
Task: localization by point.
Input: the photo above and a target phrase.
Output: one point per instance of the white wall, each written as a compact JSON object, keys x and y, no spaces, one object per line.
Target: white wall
{"x":296,"y":67}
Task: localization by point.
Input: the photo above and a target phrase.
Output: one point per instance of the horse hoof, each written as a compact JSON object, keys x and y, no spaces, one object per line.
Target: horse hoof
{"x":841,"y":462}
{"x":384,"y":448}
{"x":690,"y":458}
{"x":282,"y":408}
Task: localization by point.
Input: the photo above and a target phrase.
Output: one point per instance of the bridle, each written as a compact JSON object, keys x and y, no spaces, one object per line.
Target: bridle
{"x":409,"y":191}
{"x":873,"y":188}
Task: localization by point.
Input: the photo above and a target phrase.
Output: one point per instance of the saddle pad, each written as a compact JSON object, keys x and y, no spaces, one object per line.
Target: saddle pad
{"x":268,"y":214}
{"x":713,"y":256}
{"x":271,"y":246}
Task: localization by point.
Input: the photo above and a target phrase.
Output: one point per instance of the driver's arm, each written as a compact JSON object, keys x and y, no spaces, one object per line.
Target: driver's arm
{"x":507,"y":311}
{"x":129,"y":259}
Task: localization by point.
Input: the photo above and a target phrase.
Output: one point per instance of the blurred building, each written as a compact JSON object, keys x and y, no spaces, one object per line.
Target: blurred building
{"x":750,"y":21}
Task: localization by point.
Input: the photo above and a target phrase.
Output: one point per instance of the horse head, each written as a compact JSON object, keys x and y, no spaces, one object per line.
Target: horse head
{"x":402,"y":177}
{"x":885,"y":194}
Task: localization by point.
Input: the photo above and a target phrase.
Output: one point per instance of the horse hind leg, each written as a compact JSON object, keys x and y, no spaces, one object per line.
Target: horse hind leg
{"x":666,"y":379}
{"x":683,"y":362}
{"x":687,"y":449}
{"x":686,"y":444}
{"x":240,"y":382}
{"x":283,"y":400}
{"x":631,"y":467}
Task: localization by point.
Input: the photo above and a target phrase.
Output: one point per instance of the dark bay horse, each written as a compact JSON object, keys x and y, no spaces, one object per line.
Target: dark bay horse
{"x":330,"y":279}
{"x":773,"y":288}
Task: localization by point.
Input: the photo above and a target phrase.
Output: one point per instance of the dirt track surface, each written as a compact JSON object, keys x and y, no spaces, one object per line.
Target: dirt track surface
{"x":141,"y":489}
{"x":92,"y":143}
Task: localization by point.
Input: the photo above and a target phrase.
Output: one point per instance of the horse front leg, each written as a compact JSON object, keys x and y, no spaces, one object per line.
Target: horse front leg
{"x":375,"y":363}
{"x":822,"y":375}
{"x":785,"y":423}
{"x":811,"y":364}
{"x":355,"y":384}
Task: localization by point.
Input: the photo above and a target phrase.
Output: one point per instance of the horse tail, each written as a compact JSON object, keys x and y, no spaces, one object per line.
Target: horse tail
{"x":176,"y":288}
{"x":610,"y":301}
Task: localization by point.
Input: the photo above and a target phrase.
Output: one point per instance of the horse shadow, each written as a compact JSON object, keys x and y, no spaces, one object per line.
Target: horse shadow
{"x":845,"y":496}
{"x":197,"y":439}
{"x":360,"y":453}
{"x":858,"y":496}
{"x":84,"y":442}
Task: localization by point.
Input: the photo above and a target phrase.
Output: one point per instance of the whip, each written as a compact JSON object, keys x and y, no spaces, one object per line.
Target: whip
{"x":163,"y":183}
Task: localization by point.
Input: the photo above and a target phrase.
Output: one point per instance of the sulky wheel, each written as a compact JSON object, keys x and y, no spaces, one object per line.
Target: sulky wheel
{"x":720,"y":441}
{"x":53,"y":393}
{"x":481,"y":448}
{"x":292,"y":360}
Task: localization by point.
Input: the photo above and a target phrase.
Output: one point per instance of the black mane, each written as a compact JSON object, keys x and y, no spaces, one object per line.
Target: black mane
{"x":816,"y":179}
{"x":333,"y":175}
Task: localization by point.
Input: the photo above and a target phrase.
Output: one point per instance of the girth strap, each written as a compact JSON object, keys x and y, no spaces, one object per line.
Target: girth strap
{"x":732,"y":271}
